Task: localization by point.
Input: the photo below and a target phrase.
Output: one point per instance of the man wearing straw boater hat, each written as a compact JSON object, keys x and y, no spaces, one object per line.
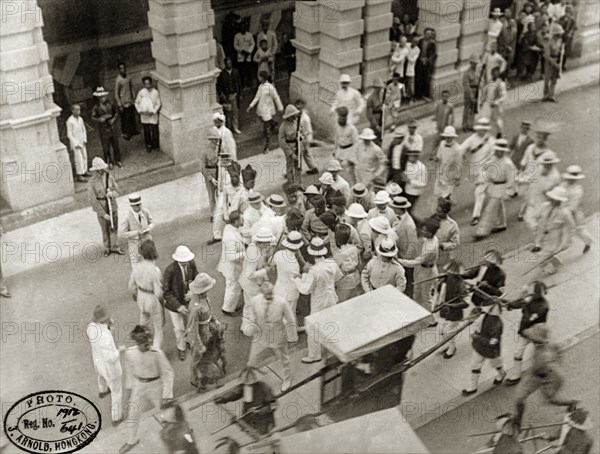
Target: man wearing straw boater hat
{"x":176,"y":282}
{"x":288,"y":141}
{"x":499,"y":174}
{"x":105,"y":114}
{"x":102,"y":195}
{"x":318,"y":281}
{"x":136,"y":227}
{"x":287,"y":263}
{"x":477,"y":149}
{"x":274,"y":216}
{"x":107,"y":361}
{"x":545,"y":177}
{"x":571,"y":182}
{"x":255,"y":267}
{"x":495,"y":26}
{"x":272,"y":324}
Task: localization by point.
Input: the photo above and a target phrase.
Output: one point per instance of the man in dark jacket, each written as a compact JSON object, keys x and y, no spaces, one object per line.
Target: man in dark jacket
{"x":535,"y":313}
{"x":572,"y":437}
{"x":452,"y":296}
{"x":258,"y":402}
{"x":489,"y":277}
{"x":229,"y":92}
{"x":176,"y":282}
{"x":519,"y":143}
{"x":486,"y":347}
{"x":176,"y":433}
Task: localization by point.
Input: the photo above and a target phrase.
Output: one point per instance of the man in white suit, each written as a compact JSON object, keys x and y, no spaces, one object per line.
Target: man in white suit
{"x":78,"y":140}
{"x":136,"y":227}
{"x":106,"y":360}
{"x":232,"y":261}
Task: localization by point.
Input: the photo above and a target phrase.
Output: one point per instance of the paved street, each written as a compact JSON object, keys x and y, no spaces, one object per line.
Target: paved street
{"x":43,"y":323}
{"x":449,"y":433}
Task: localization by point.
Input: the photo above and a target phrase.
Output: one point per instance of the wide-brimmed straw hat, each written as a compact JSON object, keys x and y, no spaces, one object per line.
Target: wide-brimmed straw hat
{"x":100,"y":91}
{"x":135,"y":199}
{"x":380,"y":224}
{"x":202,"y":283}
{"x":356,"y":211}
{"x":387,"y":248}
{"x":359,"y":190}
{"x":276,"y":201}
{"x":255,"y":197}
{"x":218,"y":116}
{"x":548,"y":157}
{"x":317,"y":247}
{"x":293,"y":240}
{"x":573,"y":172}
{"x":401,"y":203}
{"x":474,"y":58}
{"x":367,"y":134}
{"x":558,"y":193}
{"x":183,"y":254}
{"x":493,"y":256}
{"x":98,"y":164}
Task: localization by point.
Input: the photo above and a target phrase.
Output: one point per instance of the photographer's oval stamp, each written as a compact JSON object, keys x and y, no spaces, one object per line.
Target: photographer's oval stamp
{"x":52,"y":422}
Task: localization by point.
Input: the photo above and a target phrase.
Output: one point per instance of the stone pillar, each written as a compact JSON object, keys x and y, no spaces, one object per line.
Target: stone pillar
{"x":444,"y":18}
{"x":304,"y":82}
{"x":34,"y":163}
{"x":342,"y":28}
{"x":474,"y":23}
{"x":184,"y":49}
{"x":586,"y":45}
{"x":376,"y":44}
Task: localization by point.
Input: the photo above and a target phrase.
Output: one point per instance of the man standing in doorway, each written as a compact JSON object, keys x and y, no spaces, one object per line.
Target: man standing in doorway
{"x":124,"y":98}
{"x":105,"y":114}
{"x":148,"y":104}
{"x":78,"y":140}
{"x":229,"y":91}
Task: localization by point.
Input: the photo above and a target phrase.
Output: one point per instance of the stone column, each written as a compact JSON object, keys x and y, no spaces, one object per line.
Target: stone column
{"x":304,"y":82}
{"x":474,"y":23}
{"x":184,"y":49}
{"x":444,"y":18}
{"x":378,"y":18}
{"x":586,"y":45}
{"x":342,"y":28}
{"x":34,"y":163}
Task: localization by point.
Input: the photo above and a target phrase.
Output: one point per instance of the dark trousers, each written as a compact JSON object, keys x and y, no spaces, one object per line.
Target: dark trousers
{"x":246,"y":74}
{"x":268,"y":131}
{"x":423,"y":75}
{"x":128,"y":122}
{"x":408,"y":274}
{"x":413,"y":200}
{"x":110,"y":141}
{"x":151,"y":136}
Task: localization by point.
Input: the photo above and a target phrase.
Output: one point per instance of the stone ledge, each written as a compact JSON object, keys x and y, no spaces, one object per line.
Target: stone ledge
{"x":344,"y":30}
{"x":341,"y":59}
{"x":310,"y":50}
{"x":377,"y":23}
{"x":208,"y":77}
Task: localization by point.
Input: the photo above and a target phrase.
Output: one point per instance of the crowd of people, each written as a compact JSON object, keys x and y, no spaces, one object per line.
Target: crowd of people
{"x":308,"y":248}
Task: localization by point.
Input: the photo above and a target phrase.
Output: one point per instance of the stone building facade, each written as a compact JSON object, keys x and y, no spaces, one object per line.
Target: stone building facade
{"x":174,"y":40}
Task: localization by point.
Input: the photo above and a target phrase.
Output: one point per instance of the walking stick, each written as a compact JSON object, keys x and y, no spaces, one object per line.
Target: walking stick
{"x":108,"y":200}
{"x":561,"y":59}
{"x":543,"y":262}
{"x":299,"y":145}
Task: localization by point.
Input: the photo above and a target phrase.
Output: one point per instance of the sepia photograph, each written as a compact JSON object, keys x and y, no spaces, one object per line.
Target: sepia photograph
{"x":288,"y":227}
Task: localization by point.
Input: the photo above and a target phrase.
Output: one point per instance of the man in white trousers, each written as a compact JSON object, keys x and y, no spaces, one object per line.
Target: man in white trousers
{"x":232,"y":262}
{"x":77,"y":135}
{"x":107,"y":362}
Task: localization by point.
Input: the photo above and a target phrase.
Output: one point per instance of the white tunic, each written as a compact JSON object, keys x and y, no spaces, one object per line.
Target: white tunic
{"x":319,"y":282}
{"x":232,"y":253}
{"x":287,"y":266}
{"x":104,"y":352}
